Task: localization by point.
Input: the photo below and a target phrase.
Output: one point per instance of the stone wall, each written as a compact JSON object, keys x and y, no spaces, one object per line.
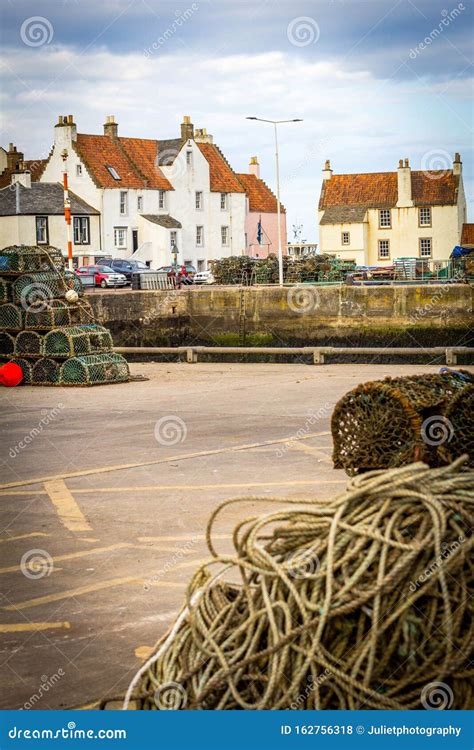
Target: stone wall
{"x":400,"y":315}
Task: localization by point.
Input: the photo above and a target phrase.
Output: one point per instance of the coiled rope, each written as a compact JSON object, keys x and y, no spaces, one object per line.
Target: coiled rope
{"x":359,"y":602}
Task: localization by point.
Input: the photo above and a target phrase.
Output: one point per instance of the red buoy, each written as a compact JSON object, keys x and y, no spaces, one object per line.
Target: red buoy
{"x":11,"y":374}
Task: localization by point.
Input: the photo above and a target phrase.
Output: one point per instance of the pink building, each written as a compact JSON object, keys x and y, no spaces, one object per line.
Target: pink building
{"x":261,"y":221}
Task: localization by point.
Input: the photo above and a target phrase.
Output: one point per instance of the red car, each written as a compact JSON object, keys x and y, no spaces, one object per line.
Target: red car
{"x":104,"y":276}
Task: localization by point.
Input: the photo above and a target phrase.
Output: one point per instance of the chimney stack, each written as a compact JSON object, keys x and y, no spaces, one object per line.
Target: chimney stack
{"x":404,"y":184}
{"x":21,"y":177}
{"x":111,"y":127}
{"x":65,"y":131}
{"x":327,"y":171}
{"x":457,"y":164}
{"x":202,"y":136}
{"x":14,"y":158}
{"x":187,"y":129}
{"x":254,"y":166}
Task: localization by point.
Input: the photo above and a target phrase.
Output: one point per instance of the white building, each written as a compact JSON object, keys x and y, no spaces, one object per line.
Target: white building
{"x":152,"y":195}
{"x":377,"y":217}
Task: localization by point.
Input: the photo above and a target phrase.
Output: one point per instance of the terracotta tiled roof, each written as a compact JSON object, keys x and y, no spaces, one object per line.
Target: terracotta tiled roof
{"x":261,"y":198}
{"x":100,"y":151}
{"x":144,"y":154}
{"x":467,"y":235}
{"x":35,"y":166}
{"x":222,"y":177}
{"x":379,"y":189}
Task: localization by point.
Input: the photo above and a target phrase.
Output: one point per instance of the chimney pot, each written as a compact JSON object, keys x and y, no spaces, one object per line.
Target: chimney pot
{"x":457,"y":164}
{"x":404,"y":190}
{"x":407,"y":163}
{"x":400,"y":163}
{"x":254,"y":167}
{"x":187,"y":129}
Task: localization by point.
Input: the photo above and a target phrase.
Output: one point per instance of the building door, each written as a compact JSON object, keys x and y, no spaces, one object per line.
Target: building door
{"x":134,"y":240}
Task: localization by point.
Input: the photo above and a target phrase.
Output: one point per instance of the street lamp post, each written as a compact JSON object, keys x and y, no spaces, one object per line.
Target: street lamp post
{"x":277,"y":163}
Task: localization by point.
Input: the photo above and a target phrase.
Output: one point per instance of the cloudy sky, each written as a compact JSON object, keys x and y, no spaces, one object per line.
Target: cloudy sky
{"x":373,"y":80}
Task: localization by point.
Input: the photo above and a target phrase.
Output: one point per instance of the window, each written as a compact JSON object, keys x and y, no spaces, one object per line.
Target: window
{"x":201,"y":265}
{"x":199,"y":236}
{"x":224,"y":201}
{"x":139,"y":202}
{"x":81,"y":230}
{"x":224,"y":236}
{"x":198,"y":201}
{"x":42,"y":234}
{"x":425,"y":247}
{"x":161,"y":199}
{"x":189,"y":158}
{"x":173,"y":239}
{"x":384,"y":249}
{"x":385,"y":218}
{"x":113,"y":172}
{"x":424,"y":216}
{"x":78,"y":170}
{"x":120,"y":237}
{"x":346,"y":238}
{"x":123,"y":203}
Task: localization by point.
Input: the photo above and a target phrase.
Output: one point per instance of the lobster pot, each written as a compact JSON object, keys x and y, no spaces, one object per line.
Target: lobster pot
{"x":94,"y":370}
{"x":41,"y":288}
{"x":459,"y":426}
{"x":20,"y":259}
{"x":6,"y":292}
{"x":45,"y":372}
{"x":56,"y":313}
{"x":26,"y":368}
{"x":76,"y":341}
{"x":7,"y":344}
{"x":11,"y":317}
{"x":393,"y":422}
{"x":29,"y":343}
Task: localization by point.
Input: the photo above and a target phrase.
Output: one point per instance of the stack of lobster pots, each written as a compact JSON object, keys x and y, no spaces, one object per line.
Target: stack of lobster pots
{"x":47,"y":327}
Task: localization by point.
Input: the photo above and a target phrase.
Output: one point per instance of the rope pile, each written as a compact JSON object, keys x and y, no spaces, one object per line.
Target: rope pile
{"x":392,"y":422}
{"x":359,"y":602}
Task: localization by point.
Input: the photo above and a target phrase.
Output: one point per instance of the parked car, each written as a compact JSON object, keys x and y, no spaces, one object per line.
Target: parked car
{"x":104,"y":275}
{"x":185,"y":273}
{"x":203,"y":277}
{"x":127,"y":267}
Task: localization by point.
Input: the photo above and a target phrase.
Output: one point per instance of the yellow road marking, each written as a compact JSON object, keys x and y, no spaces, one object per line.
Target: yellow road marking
{"x":111,"y":583}
{"x":23,"y":536}
{"x":88,"y":706}
{"x":169,"y":459}
{"x":73,"y":555}
{"x":99,"y":586}
{"x":312,"y":450}
{"x":68,"y":510}
{"x":24,"y":627}
{"x":143,"y":652}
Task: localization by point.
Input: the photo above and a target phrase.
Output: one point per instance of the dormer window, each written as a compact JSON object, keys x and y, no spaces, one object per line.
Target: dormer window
{"x":113,"y":172}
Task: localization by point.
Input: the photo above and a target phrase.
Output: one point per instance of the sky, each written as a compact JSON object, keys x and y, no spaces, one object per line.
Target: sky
{"x":373,"y":81}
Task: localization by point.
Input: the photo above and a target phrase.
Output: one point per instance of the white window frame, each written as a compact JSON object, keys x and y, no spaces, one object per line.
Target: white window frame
{"x":224,"y":201}
{"x":379,"y":247}
{"x":224,"y":236}
{"x":420,"y":247}
{"x":139,"y":202}
{"x":78,"y":170}
{"x":343,"y":238}
{"x":120,"y":238}
{"x":421,"y":222}
{"x":199,"y":204}
{"x":123,"y":203}
{"x":162,"y":199}
{"x":189,"y":157}
{"x":385,"y":218}
{"x":173,"y":238}
{"x":199,"y":236}
{"x":41,"y":224}
{"x":81,"y":230}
